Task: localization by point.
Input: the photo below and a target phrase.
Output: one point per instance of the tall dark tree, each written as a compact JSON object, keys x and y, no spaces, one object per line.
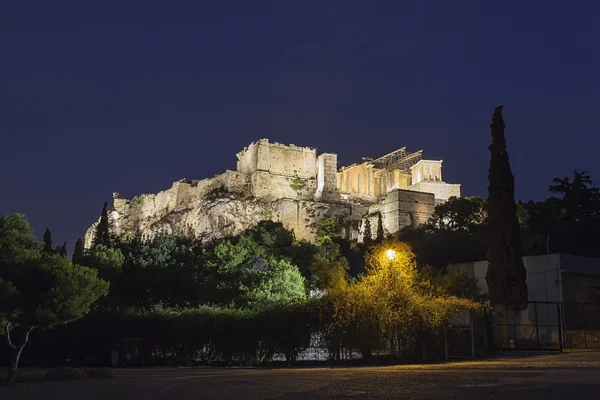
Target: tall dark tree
{"x":506,"y":275}
{"x":368,"y":235}
{"x":78,"y":253}
{"x":47,"y":241}
{"x":102,"y":229}
{"x":380,"y":234}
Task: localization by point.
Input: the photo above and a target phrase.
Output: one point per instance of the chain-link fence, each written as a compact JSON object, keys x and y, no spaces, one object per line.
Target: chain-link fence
{"x":545,"y":326}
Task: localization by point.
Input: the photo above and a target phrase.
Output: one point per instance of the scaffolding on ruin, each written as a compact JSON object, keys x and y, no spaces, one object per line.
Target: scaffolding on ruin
{"x":398,"y":159}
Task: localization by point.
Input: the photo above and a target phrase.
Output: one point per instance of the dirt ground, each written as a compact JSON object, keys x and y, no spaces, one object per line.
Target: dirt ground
{"x":537,"y":377}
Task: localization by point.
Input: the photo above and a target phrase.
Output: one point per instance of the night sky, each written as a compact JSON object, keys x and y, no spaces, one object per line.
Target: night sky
{"x":128,"y":96}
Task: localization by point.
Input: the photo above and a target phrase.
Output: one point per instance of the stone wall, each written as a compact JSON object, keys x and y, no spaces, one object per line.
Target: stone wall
{"x":267,"y":186}
{"x":441,"y":190}
{"x":402,"y":208}
{"x":277,"y":158}
{"x":327,"y":189}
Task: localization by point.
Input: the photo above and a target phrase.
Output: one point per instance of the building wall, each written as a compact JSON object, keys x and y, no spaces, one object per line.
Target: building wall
{"x":277,"y":158}
{"x":427,"y":170}
{"x":327,"y":178}
{"x":402,"y":208}
{"x":441,"y":190}
{"x":267,"y":186}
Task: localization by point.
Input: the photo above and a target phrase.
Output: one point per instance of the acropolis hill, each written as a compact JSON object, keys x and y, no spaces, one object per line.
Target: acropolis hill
{"x":292,"y":185}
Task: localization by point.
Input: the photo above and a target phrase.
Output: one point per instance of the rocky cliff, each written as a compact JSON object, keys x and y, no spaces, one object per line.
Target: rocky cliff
{"x":218,"y":207}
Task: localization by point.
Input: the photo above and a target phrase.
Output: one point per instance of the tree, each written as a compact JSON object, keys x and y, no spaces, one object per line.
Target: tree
{"x":380,"y":234}
{"x":329,"y":268}
{"x":367,"y":234}
{"x":47,"y":241}
{"x":78,"y":252}
{"x":272,"y":283}
{"x":102,"y":235}
{"x":62,"y":249}
{"x":506,"y":275}
{"x":458,"y":214}
{"x":38,"y":290}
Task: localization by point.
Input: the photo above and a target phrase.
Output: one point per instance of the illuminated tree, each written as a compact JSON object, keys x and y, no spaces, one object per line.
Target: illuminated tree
{"x":506,"y":275}
{"x":390,"y":306}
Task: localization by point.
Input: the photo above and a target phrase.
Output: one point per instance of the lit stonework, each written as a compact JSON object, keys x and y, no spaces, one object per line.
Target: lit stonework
{"x":292,"y":185}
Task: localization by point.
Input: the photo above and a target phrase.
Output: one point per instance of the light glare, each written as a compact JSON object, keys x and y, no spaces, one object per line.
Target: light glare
{"x":390,"y":254}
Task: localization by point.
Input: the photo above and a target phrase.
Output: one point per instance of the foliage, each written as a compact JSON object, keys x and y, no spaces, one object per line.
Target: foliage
{"x":78,"y":252}
{"x":458,"y":214}
{"x":17,"y":241}
{"x":62,"y":249}
{"x":47,"y":239}
{"x":389,"y":307}
{"x":272,"y":284}
{"x":506,"y":274}
{"x":329,"y":268}
{"x":37,"y":289}
{"x":102,"y":234}
{"x":328,"y":230}
{"x":367,"y":234}
{"x":453,"y":283}
{"x":297,"y":183}
{"x":449,"y":247}
{"x":380,"y":233}
{"x":568,"y":222}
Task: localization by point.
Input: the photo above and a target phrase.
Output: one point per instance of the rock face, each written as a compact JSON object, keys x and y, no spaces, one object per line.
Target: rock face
{"x":287,"y":184}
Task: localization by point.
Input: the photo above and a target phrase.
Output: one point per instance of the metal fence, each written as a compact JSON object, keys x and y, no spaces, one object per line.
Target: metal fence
{"x":544,"y":326}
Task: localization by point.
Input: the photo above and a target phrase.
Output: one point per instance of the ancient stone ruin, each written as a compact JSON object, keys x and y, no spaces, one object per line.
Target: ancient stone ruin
{"x":292,"y":185}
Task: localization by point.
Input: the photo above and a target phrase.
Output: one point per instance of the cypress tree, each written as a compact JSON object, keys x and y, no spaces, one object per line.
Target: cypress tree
{"x":78,"y":253}
{"x":368,"y":236}
{"x":47,"y":241}
{"x":506,"y":275}
{"x":102,"y":230}
{"x":379,"y":237}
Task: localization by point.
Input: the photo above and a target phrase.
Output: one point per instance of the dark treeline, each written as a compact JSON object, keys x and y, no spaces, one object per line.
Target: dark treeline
{"x":568,"y":221}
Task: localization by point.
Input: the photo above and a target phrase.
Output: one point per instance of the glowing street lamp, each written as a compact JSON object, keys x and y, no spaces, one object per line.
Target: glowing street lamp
{"x":390,"y":254}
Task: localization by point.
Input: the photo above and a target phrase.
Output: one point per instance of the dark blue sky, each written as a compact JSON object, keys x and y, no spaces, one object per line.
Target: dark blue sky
{"x":129,"y":96}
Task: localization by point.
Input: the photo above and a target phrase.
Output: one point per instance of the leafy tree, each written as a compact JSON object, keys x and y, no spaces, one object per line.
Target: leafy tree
{"x":506,"y":275}
{"x":272,"y":283}
{"x":367,"y":234}
{"x":328,"y":230}
{"x":167,"y":269}
{"x":458,"y":214}
{"x":449,"y":247}
{"x":62,"y":249}
{"x":380,"y":234}
{"x":78,"y":252}
{"x":17,"y":241}
{"x":453,"y":283}
{"x":102,"y":234}
{"x":329,"y":268}
{"x":389,"y":306}
{"x":38,"y":290}
{"x":47,"y":241}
